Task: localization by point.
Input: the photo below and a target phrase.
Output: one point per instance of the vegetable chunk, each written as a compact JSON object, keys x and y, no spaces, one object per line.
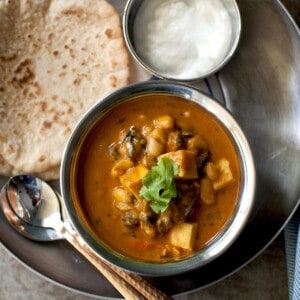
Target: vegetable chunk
{"x":225,"y":175}
{"x":183,"y":235}
{"x":186,"y":161}
{"x":131,"y":180}
{"x":207,"y":192}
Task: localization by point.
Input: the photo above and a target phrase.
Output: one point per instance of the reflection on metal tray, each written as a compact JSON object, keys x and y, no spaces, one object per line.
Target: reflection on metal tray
{"x":260,"y":86}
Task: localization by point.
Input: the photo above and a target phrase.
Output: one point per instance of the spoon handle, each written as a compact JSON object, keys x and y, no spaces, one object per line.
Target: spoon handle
{"x":145,"y":288}
{"x":131,"y":286}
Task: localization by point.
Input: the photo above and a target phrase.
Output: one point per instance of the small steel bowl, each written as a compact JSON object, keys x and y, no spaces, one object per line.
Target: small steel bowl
{"x":231,"y":230}
{"x":131,"y":11}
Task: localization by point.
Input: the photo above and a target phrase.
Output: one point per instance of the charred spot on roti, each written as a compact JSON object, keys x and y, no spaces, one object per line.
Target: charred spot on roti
{"x":76,"y":81}
{"x":42,"y":158}
{"x":43,"y":106}
{"x":71,"y":52}
{"x":38,"y":89}
{"x":108,"y":32}
{"x":77,"y":11}
{"x":14,"y":131}
{"x":47,"y":124}
{"x":31,"y":91}
{"x":67,"y":131}
{"x":50,"y":36}
{"x":11,"y":148}
{"x":113,"y":80}
{"x":23,"y":74}
{"x":8,"y":58}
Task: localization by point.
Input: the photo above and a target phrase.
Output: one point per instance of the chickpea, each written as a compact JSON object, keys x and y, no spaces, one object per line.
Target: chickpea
{"x":156,"y":142}
{"x":187,"y":114}
{"x":196,"y":143}
{"x":175,"y":141}
{"x":160,"y":135}
{"x":120,"y":167}
{"x":146,"y":130}
{"x":150,"y":230}
{"x":142,"y":117}
{"x":122,"y":199}
{"x":154,"y":147}
{"x":182,"y":121}
{"x":164,"y":122}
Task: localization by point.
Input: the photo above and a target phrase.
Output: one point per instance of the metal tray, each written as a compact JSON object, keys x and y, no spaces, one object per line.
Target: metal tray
{"x":261,"y":87}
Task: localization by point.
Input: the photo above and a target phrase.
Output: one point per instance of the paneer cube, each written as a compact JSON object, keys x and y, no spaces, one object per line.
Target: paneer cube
{"x":186,"y":161}
{"x":183,"y":235}
{"x":225,"y":175}
{"x":131,"y":180}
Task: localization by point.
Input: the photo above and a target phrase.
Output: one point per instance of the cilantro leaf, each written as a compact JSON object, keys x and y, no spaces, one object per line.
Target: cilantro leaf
{"x":158,"y":185}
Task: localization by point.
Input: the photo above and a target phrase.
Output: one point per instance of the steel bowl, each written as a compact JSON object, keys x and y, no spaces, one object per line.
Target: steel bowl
{"x":130,"y":13}
{"x":230,"y":231}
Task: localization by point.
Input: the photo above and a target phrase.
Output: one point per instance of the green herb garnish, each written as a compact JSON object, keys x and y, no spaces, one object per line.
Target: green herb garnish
{"x":159,"y":186}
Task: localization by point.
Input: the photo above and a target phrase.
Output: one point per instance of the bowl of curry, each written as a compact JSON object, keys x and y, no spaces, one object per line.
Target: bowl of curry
{"x":158,"y":178}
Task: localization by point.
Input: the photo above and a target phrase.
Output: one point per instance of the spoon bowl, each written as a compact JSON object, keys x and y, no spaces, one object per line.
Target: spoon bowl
{"x":30,"y":231}
{"x":31,"y":202}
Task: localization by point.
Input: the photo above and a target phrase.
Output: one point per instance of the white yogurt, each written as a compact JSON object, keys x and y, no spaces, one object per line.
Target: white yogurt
{"x":182,"y":39}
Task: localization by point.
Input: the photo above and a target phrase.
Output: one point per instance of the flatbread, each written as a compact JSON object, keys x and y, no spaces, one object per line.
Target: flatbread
{"x":8,"y":170}
{"x":57,"y":58}
{"x":5,"y":168}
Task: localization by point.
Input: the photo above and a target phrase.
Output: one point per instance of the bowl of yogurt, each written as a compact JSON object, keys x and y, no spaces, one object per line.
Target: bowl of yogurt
{"x":183,"y":40}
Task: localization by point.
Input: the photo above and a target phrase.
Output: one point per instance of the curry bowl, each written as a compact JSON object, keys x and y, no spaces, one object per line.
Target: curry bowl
{"x":158,"y":178}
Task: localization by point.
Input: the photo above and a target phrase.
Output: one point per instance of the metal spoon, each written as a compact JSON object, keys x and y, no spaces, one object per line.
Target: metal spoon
{"x":24,"y":206}
{"x":34,"y":209}
{"x":30,"y":231}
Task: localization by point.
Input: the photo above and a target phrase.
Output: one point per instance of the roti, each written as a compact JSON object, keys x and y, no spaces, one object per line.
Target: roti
{"x":57,"y":58}
{"x":8,"y":170}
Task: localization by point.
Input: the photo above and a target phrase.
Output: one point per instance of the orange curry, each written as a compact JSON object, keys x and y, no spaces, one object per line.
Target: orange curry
{"x":128,"y":145}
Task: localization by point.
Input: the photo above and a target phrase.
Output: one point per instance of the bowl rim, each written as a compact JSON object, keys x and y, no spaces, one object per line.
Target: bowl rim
{"x":233,"y":228}
{"x":230,"y":52}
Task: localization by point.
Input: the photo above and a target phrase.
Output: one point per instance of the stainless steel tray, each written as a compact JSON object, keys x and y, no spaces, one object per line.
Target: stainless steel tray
{"x":261,"y":86}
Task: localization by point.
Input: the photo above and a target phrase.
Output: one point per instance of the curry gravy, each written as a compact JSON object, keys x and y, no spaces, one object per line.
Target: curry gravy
{"x":95,"y":182}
